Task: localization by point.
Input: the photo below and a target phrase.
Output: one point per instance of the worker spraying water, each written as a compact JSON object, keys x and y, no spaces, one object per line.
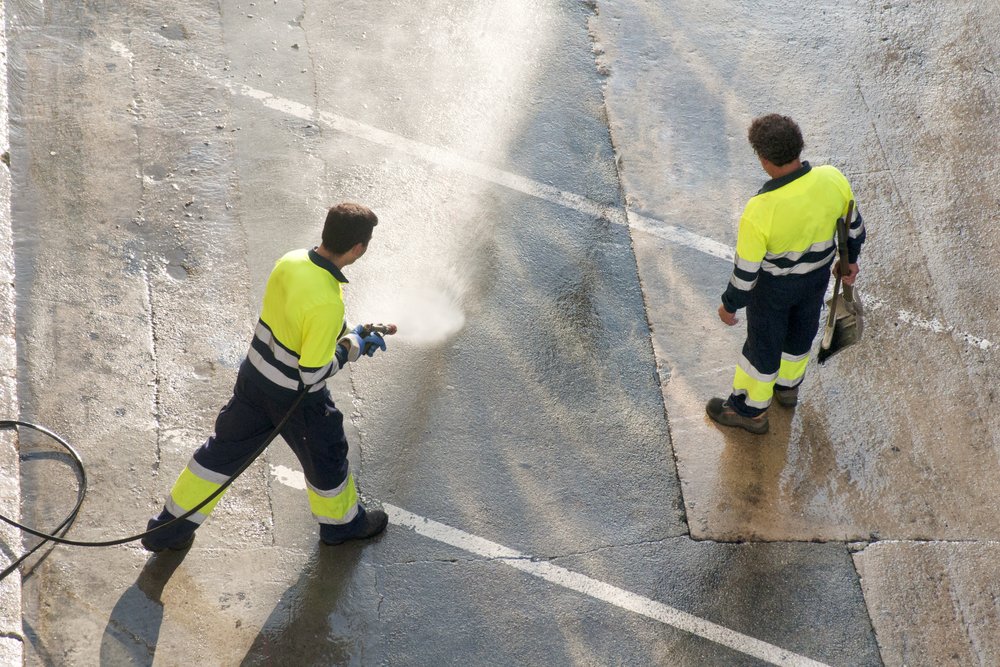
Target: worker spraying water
{"x":301,"y":340}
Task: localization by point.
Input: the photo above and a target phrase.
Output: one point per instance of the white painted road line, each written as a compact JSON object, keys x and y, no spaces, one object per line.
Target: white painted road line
{"x":598,"y":590}
{"x":574,"y":581}
{"x":640,"y":223}
{"x":443,"y":158}
{"x":678,"y":236}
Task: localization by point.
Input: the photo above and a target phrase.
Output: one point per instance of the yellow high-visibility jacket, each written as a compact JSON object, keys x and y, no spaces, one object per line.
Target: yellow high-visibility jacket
{"x":301,"y":320}
{"x":789,"y":229}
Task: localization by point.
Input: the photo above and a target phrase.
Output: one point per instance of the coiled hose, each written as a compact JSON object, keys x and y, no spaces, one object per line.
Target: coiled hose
{"x":60,"y":530}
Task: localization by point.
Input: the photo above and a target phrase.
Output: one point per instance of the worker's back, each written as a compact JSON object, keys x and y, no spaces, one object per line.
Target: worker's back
{"x":790,"y":224}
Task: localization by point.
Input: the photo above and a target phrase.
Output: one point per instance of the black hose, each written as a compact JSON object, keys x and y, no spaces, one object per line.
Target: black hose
{"x":46,"y":537}
{"x":81,"y":492}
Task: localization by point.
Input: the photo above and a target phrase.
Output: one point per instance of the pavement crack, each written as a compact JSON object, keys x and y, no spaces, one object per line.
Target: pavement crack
{"x":528,"y":558}
{"x":153,"y":340}
{"x":602,"y":68}
{"x":607,"y":547}
{"x":379,"y":595}
{"x":124,"y":630}
{"x":854,"y":550}
{"x":145,"y":270}
{"x":310,"y":54}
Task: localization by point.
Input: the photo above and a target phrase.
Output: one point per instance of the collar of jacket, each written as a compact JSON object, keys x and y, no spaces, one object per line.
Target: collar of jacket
{"x":776,"y":183}
{"x":324,"y":263}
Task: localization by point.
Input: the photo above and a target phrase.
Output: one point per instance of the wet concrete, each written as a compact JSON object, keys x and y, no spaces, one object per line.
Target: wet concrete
{"x":166,"y":153}
{"x":860,"y":464}
{"x":895,"y":438}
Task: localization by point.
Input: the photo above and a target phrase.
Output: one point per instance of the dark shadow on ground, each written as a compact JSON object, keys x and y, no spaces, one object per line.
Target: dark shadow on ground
{"x":133,"y":629}
{"x":306,"y":627}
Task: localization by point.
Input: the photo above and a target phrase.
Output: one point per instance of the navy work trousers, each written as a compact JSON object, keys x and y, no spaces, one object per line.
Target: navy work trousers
{"x":782,"y":321}
{"x":315,"y":432}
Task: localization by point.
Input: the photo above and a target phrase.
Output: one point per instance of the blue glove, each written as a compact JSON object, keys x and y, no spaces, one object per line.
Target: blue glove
{"x":372,"y":342}
{"x":366,"y":342}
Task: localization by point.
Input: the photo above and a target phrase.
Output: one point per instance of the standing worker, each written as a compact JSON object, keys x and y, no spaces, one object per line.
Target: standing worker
{"x":301,"y":340}
{"x":784,"y":249}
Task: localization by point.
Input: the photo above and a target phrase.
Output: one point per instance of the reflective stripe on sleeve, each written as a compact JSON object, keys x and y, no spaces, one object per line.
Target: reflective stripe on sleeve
{"x":744,"y":275}
{"x":312,"y":377}
{"x":746,"y":265}
{"x":740,"y":284}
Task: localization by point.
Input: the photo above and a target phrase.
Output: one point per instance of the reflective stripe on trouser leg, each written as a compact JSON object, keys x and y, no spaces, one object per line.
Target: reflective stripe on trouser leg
{"x":335,"y":506}
{"x":755,"y":387}
{"x":792,"y":370}
{"x":193,"y":485}
{"x":316,"y":435}
{"x":782,"y":318}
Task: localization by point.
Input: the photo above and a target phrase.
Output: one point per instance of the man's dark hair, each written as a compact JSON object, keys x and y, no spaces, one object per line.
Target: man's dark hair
{"x":776,"y":138}
{"x":346,"y":225}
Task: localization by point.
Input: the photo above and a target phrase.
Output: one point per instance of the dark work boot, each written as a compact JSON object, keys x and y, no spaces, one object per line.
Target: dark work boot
{"x":176,"y":537}
{"x":787,"y":397}
{"x":368,"y":523}
{"x":150,"y":545}
{"x":720,"y":410}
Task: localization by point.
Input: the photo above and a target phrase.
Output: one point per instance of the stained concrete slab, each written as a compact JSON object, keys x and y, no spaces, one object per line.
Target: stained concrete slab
{"x":859,"y":464}
{"x":896,"y":437}
{"x":933,"y":603}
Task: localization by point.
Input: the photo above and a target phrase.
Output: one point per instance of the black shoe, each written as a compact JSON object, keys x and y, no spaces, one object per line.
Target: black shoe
{"x":720,"y":410}
{"x":369,"y":524}
{"x":180,"y":546}
{"x":787,"y":397}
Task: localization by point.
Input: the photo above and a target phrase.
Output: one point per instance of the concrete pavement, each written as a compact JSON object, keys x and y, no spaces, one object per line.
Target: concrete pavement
{"x":895,"y":439}
{"x":896,"y":495}
{"x":11,"y":634}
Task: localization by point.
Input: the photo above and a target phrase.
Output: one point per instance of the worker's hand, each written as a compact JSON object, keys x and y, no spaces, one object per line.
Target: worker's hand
{"x":729,"y":319}
{"x":371,"y":343}
{"x":852,"y":274}
{"x":359,"y":341}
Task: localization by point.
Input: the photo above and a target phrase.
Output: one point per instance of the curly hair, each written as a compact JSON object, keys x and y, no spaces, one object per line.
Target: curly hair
{"x":776,"y":138}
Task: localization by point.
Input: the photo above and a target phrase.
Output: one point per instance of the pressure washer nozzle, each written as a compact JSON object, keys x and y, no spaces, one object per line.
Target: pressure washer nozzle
{"x":381,"y":329}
